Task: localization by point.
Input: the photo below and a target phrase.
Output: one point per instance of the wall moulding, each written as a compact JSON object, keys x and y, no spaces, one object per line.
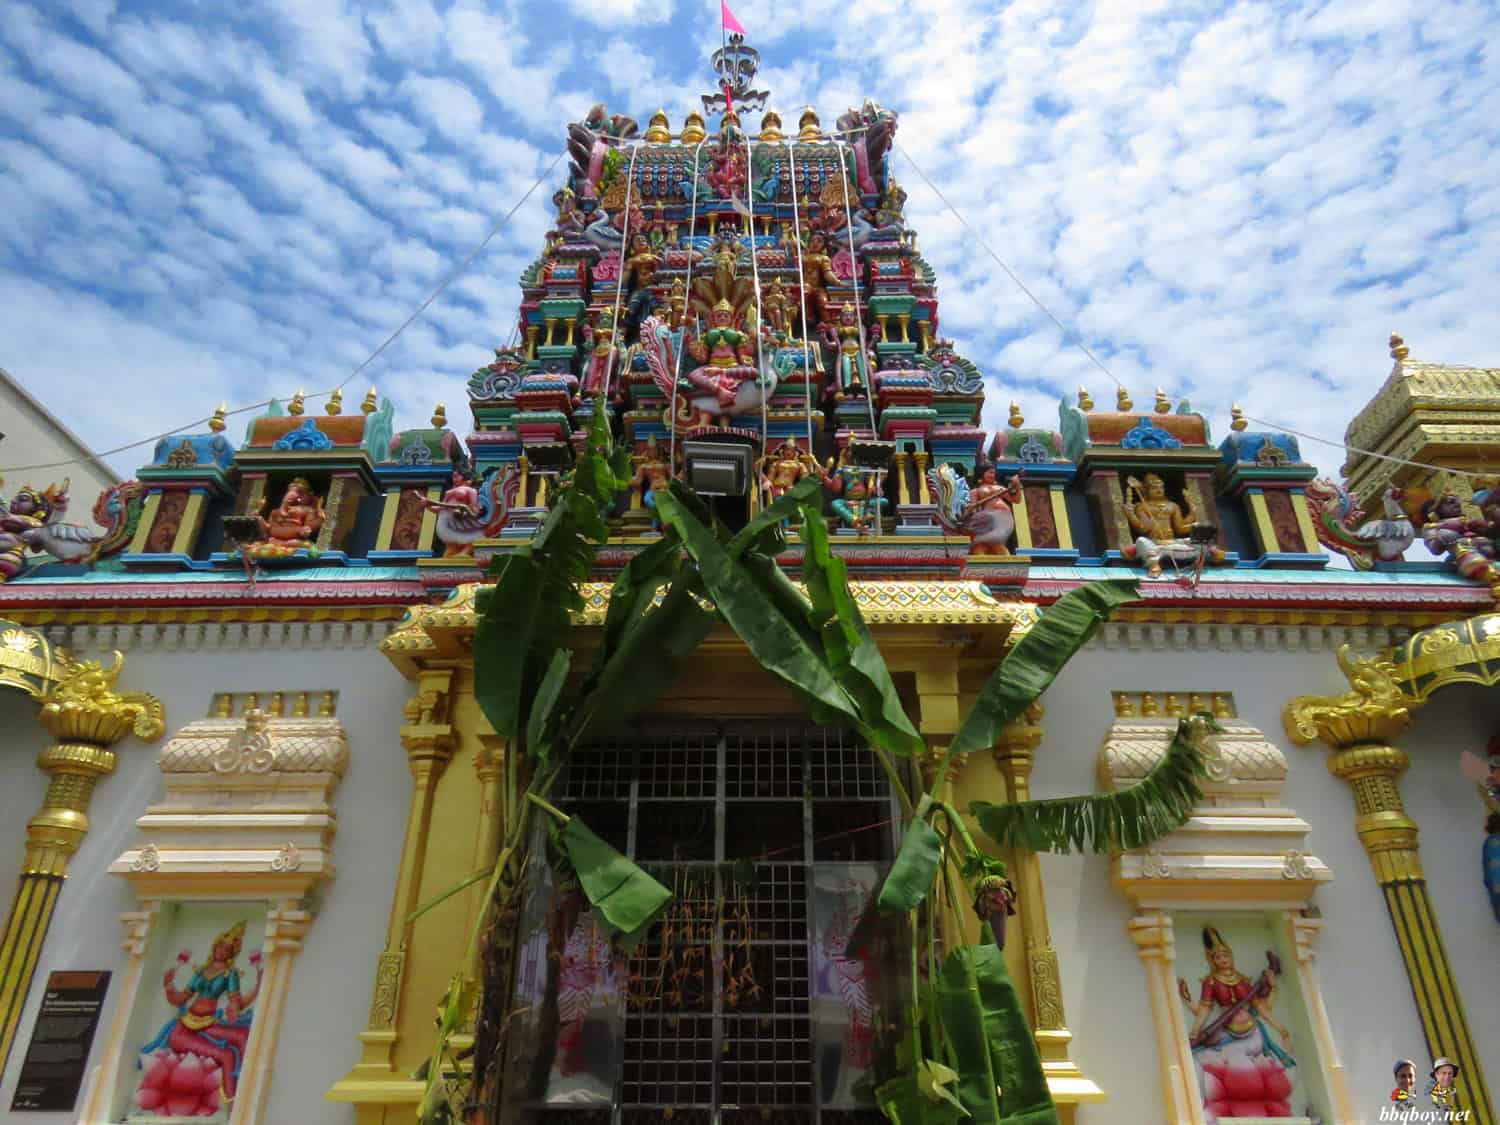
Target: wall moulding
{"x":220,"y":636}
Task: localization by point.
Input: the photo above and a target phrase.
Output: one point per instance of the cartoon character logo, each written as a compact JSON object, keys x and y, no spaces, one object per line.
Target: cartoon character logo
{"x":1440,"y":1087}
{"x":1406,"y":1080}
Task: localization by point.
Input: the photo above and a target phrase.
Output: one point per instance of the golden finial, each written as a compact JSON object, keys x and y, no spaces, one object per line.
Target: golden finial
{"x":1149,"y":706}
{"x":1399,"y":350}
{"x":1122,"y":399}
{"x":1016,"y":421}
{"x":295,"y":406}
{"x":216,"y":423}
{"x":370,"y":405}
{"x":692,"y":129}
{"x":659,"y":130}
{"x":1163,"y":405}
{"x":1124,"y":705}
{"x":770,"y":127}
{"x":335,"y":403}
{"x":1085,"y":400}
{"x":439,"y":417}
{"x":1237,"y":421}
{"x":808,"y":131}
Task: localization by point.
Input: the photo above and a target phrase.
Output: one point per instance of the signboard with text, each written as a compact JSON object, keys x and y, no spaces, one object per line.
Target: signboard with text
{"x":53,"y":1069}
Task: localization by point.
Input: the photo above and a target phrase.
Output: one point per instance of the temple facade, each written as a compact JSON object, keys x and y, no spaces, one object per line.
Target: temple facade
{"x":245,"y":760}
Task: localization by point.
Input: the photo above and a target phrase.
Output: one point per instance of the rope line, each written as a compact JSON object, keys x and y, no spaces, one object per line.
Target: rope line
{"x":614,"y":324}
{"x":452,"y":276}
{"x":801,"y":294}
{"x":760,"y":349}
{"x":687,"y":303}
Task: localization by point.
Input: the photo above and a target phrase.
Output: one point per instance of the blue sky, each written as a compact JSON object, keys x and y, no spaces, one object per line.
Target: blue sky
{"x":215,"y":201}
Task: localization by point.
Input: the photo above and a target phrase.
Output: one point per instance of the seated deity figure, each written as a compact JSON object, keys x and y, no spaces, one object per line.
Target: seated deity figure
{"x":292,"y":526}
{"x":653,"y":473}
{"x":854,"y":499}
{"x":1162,"y":526}
{"x":784,"y":467}
{"x":725,"y":354}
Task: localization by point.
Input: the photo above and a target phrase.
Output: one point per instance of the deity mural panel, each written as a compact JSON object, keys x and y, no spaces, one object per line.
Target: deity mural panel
{"x":194,"y":1014}
{"x":1246,"y":1021}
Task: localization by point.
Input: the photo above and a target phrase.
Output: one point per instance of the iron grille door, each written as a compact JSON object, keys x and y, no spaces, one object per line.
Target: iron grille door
{"x":749,"y":1001}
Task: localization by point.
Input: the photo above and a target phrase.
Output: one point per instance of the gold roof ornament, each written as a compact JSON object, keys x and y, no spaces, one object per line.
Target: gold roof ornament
{"x":25,"y":660}
{"x":1016,"y":420}
{"x":1122,"y":400}
{"x":296,"y":406}
{"x":1399,"y":350}
{"x":217,"y":423}
{"x":693,"y":129}
{"x":335,"y":403}
{"x":1085,"y":400}
{"x":371,"y":403}
{"x":1237,"y":421}
{"x":808,"y":130}
{"x":1163,"y":404}
{"x":770,"y":127}
{"x":439,"y":416}
{"x":658,"y":129}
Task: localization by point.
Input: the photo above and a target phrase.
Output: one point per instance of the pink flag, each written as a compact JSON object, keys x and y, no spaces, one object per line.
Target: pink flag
{"x":730,"y":23}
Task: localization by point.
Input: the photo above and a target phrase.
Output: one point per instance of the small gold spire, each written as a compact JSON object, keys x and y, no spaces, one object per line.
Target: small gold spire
{"x":808,"y":131}
{"x":335,"y":403}
{"x":1237,"y":421}
{"x":1085,"y":400}
{"x":439,"y":417}
{"x":1016,"y":421}
{"x":1149,"y":705}
{"x":296,"y":406}
{"x":1174,"y":706}
{"x":1122,"y":399}
{"x":770,"y":127}
{"x":1163,"y":404}
{"x":216,"y":423}
{"x":370,"y":405}
{"x":693,"y":130}
{"x":1223,"y":705}
{"x":1124,"y":705}
{"x":1399,"y":350}
{"x":659,"y":130}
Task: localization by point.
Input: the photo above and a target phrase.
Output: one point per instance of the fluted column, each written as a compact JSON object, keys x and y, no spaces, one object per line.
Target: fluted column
{"x":1015,"y":755}
{"x":1304,"y":933}
{"x":286,"y":925}
{"x":87,"y":717}
{"x":1151,"y":931}
{"x":1360,"y":727}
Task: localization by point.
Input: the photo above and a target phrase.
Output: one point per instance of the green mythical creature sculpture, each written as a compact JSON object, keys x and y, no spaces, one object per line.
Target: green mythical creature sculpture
{"x":969,"y":1053}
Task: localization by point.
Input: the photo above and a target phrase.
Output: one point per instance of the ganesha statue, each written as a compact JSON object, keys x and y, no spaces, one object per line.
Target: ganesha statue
{"x":291,"y":527}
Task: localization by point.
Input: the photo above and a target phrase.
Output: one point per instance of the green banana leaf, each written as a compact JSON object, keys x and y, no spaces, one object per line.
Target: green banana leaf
{"x":1159,"y":803}
{"x":916,"y":866}
{"x":541,"y":724}
{"x":848,"y":644}
{"x":514,"y":642}
{"x":1038,"y":657}
{"x":777,"y":645}
{"x":904,"y":1099}
{"x":1000,"y":1073}
{"x":625,"y":897}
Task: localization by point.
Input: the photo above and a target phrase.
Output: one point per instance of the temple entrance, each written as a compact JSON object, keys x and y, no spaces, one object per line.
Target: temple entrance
{"x":769,"y":989}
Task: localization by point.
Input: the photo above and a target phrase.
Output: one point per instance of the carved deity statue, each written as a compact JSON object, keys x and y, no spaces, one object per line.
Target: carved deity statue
{"x":725,"y":354}
{"x":777,"y":307}
{"x":599,"y":340}
{"x":1162,"y":526}
{"x":854,"y":497}
{"x":292,"y":526}
{"x":817,"y":274}
{"x":653,"y":473}
{"x":783,"y":467}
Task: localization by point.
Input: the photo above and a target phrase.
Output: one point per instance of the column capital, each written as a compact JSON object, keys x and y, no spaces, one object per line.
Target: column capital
{"x":1152,"y":933}
{"x":1375,"y":709}
{"x":83,"y":707}
{"x":427,"y":735}
{"x":1015,"y":750}
{"x":1305,"y":933}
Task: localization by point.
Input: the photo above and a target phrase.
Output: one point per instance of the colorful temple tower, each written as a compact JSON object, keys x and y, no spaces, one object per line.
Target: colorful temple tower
{"x":243,"y":719}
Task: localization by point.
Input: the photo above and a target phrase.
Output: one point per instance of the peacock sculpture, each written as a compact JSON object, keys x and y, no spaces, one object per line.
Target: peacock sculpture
{"x":1341,"y":527}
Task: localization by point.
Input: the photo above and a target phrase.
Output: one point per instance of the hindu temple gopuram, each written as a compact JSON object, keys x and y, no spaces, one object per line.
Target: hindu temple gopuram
{"x":248,"y":782}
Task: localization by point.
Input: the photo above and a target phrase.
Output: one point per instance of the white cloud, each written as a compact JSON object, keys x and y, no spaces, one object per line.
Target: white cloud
{"x":447,"y":105}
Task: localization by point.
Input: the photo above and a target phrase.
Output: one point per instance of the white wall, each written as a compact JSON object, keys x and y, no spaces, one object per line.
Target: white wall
{"x":31,"y":438}
{"x":1364,"y":985}
{"x":334,"y":974}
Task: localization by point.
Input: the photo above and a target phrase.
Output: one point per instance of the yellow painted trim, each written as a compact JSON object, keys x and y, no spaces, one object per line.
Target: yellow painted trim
{"x":388,"y":520}
{"x":192,"y":520}
{"x":429,"y":521}
{"x":143,"y":529}
{"x":1023,"y":523}
{"x":1304,"y":521}
{"x":1060,"y":518}
{"x":1269,"y":544}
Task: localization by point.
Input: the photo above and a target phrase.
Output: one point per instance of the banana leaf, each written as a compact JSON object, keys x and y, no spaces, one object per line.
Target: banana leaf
{"x":1133,"y":817}
{"x":777,"y":645}
{"x":1000,"y":1073}
{"x":847,"y":643}
{"x":1038,"y":657}
{"x":625,"y":897}
{"x":541,"y":724}
{"x":514,"y":641}
{"x":915,"y":869}
{"x":904,"y":1099}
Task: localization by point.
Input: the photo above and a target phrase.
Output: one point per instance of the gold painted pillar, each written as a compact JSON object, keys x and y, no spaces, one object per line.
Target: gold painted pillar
{"x":1360,"y":726}
{"x":428,"y":739}
{"x":1151,"y":931}
{"x":1015,"y":755}
{"x":87,"y":717}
